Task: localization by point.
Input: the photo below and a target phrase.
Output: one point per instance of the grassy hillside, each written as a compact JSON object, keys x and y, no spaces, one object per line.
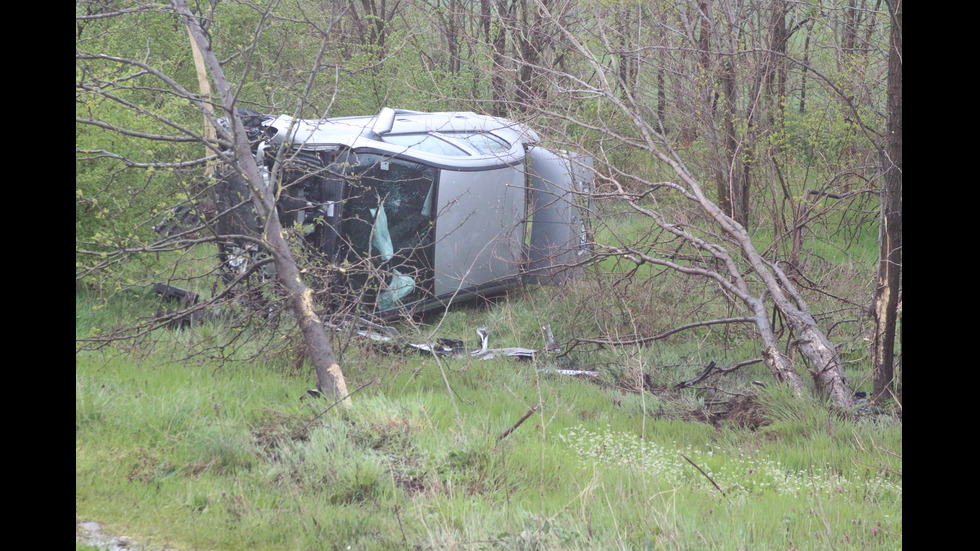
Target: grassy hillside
{"x":177,"y":449}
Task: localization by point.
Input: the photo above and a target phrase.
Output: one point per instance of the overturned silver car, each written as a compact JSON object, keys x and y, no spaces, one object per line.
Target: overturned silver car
{"x":417,"y":210}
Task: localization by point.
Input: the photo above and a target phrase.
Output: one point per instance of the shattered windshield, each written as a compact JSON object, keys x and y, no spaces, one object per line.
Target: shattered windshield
{"x":388,"y":221}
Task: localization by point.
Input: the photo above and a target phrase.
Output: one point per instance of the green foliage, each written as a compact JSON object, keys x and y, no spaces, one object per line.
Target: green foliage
{"x":121,"y":190}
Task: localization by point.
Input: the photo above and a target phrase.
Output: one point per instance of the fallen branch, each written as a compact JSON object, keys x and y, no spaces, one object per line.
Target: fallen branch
{"x":517,"y":424}
{"x":698,"y":379}
{"x":643,"y":340}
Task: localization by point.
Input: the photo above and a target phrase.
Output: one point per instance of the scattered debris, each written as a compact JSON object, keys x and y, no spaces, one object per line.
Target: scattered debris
{"x":487,"y":353}
{"x":181,"y":318}
{"x":571,"y":372}
{"x":443,"y":347}
{"x":363,"y":328}
{"x":452,"y":348}
{"x":312,"y":393}
{"x":180,"y":219}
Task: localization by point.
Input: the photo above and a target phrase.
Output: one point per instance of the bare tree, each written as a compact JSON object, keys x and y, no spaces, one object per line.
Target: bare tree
{"x":759,"y":285}
{"x":330,"y":379}
{"x":102,"y":79}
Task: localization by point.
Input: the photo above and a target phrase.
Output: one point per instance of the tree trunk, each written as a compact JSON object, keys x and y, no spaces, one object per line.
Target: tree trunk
{"x":498,"y":43}
{"x":661,"y":101}
{"x":806,"y":63}
{"x":826,"y":368}
{"x":889,"y":282}
{"x":776,"y":71}
{"x":330,"y":379}
{"x":733,"y":186}
{"x":779,"y":365}
{"x":529,"y":45}
{"x":628,"y":63}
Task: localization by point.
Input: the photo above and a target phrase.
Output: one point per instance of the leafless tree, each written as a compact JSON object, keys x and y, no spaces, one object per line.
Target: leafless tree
{"x":229,"y":147}
{"x":330,"y":379}
{"x":746,"y":276}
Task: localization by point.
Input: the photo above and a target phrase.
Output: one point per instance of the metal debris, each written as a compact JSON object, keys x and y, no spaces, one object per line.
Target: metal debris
{"x":452,"y":348}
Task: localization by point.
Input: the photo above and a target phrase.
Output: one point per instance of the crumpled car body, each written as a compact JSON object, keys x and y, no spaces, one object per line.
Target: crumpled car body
{"x":421,"y":209}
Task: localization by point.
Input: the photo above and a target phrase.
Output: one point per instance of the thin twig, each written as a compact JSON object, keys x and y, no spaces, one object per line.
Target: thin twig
{"x":517,"y":424}
{"x":643,"y":340}
{"x":705,"y":475}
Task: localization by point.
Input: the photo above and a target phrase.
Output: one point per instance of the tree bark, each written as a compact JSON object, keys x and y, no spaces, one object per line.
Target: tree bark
{"x":776,"y":71}
{"x":889,"y":282}
{"x":330,"y":379}
{"x":497,"y":38}
{"x":733,"y":182}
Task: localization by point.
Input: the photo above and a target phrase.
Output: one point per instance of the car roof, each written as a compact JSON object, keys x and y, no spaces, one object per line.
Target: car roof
{"x":369,"y":132}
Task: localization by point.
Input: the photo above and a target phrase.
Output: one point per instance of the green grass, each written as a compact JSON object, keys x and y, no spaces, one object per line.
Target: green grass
{"x":194,"y":455}
{"x":183,"y":441}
